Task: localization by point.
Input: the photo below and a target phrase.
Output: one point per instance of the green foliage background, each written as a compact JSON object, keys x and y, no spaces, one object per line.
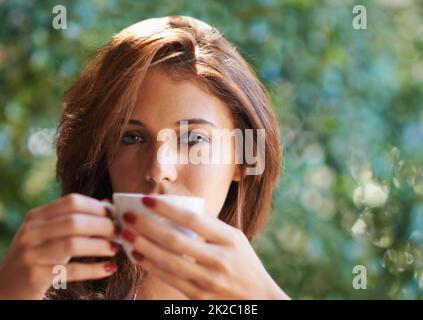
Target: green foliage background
{"x":350,"y":108}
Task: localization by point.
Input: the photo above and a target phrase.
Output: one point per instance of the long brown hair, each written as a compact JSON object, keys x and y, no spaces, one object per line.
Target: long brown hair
{"x":100,"y":102}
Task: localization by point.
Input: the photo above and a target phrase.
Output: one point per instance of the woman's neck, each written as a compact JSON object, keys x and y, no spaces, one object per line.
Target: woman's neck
{"x":152,"y":288}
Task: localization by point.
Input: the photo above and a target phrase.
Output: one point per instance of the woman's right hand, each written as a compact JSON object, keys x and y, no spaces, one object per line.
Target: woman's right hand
{"x":72,"y":226}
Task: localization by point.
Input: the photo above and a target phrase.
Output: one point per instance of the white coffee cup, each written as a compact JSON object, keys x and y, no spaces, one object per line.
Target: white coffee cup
{"x":131,"y":202}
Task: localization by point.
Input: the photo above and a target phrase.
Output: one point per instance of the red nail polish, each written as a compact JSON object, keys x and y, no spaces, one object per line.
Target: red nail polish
{"x":117,"y":230}
{"x":149,"y":201}
{"x":110,"y":267}
{"x":138,"y":256}
{"x":128,"y":235}
{"x":114,"y":247}
{"x":129,"y":217}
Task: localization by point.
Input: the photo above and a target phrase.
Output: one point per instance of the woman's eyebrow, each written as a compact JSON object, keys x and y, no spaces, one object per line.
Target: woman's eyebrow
{"x":177,"y":123}
{"x":136,"y":122}
{"x":196,"y":121}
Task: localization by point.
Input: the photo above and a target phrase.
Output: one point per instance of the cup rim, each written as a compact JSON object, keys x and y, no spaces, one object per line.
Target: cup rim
{"x":137,"y":194}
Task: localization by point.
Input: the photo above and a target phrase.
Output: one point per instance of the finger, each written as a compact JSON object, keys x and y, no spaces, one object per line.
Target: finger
{"x":188,"y":288}
{"x":211,"y":228}
{"x":89,"y":271}
{"x":167,"y":261}
{"x":71,"y":203}
{"x":173,"y":240}
{"x":76,"y":224}
{"x":61,"y":250}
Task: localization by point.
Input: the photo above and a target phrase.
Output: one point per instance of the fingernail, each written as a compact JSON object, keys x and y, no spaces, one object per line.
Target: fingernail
{"x":110,"y":267}
{"x":149,"y":201}
{"x":129,"y":218}
{"x":117,"y":230}
{"x":114,"y":247}
{"x":138,"y":256}
{"x":128,"y":235}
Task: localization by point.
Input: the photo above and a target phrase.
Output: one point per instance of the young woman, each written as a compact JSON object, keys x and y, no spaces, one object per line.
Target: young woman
{"x":152,"y":76}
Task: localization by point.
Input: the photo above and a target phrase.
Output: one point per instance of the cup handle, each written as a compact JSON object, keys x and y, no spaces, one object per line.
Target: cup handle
{"x":110,"y":208}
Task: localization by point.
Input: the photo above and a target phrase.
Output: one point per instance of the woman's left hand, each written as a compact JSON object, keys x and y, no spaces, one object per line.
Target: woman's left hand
{"x":222,"y":266}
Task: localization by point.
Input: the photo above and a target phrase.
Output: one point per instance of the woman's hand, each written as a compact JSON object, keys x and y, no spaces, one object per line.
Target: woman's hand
{"x":224,"y":266}
{"x":72,"y":226}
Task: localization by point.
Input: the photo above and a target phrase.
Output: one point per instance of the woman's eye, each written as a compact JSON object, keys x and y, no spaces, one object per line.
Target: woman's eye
{"x":194,"y":138}
{"x":132,"y":138}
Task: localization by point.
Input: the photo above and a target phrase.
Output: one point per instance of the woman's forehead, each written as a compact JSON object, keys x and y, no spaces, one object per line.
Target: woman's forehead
{"x":162,"y":101}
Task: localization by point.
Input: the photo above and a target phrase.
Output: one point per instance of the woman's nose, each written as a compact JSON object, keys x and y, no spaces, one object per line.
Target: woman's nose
{"x":162,"y":165}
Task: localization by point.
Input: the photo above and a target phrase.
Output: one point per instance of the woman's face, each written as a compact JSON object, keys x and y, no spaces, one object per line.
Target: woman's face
{"x":162,"y":103}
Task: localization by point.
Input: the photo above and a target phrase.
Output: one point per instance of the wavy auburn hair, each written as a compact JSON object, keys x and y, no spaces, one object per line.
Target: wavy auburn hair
{"x":101,"y":101}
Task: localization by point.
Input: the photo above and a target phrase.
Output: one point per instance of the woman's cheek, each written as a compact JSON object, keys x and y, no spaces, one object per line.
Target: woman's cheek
{"x":123,"y":171}
{"x":211,"y":182}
